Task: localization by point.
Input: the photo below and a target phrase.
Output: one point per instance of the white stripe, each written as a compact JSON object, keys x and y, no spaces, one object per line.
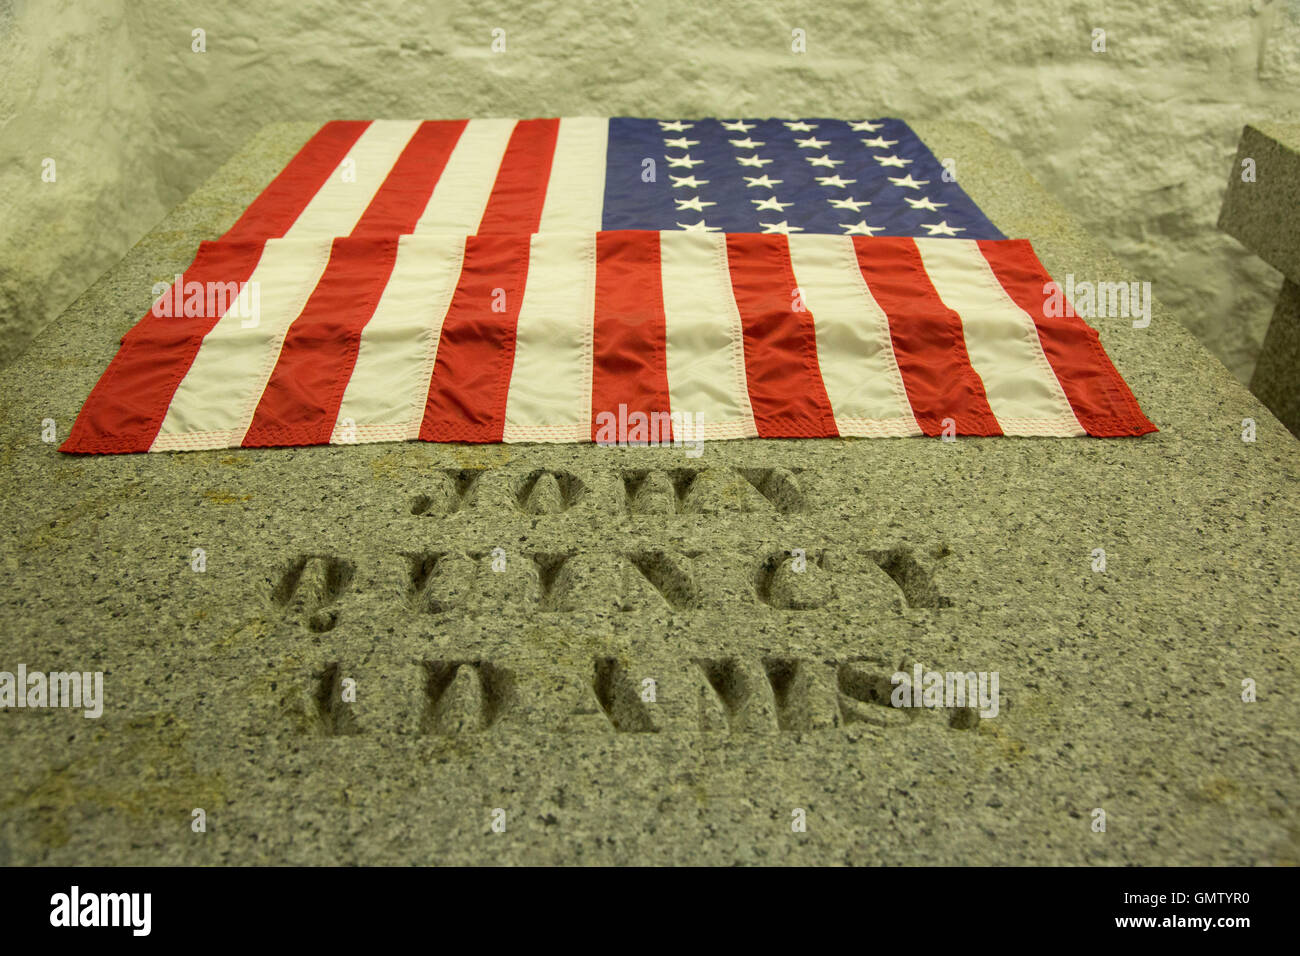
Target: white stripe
{"x":463,"y":189}
{"x":386,"y":395}
{"x":550,"y":386}
{"x":854,"y":347}
{"x":214,"y":403}
{"x":705,"y":342}
{"x":339,"y":204}
{"x":1002,"y":341}
{"x":575,"y":192}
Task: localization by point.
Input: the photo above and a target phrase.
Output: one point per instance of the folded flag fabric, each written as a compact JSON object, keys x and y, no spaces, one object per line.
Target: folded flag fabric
{"x":386,"y":178}
{"x":613,"y":280}
{"x":565,"y":337}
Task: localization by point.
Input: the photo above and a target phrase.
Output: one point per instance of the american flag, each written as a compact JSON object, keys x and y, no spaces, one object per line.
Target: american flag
{"x":548,"y":279}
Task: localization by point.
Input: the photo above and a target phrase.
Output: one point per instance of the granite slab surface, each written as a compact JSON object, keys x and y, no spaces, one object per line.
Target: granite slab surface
{"x":1261,"y":208}
{"x":502,"y":717}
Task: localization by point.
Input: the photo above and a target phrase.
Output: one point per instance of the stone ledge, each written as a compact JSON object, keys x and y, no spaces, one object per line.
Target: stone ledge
{"x":1264,"y":215}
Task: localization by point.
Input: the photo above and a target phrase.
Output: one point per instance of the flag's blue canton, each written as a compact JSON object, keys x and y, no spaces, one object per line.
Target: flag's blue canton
{"x":871,"y":177}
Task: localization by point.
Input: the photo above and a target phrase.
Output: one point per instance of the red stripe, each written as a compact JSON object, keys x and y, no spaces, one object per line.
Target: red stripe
{"x":1100,"y":398}
{"x":280,"y":204}
{"x":400,"y":201}
{"x":520,"y":188}
{"x":476,"y":350}
{"x":300,"y":403}
{"x":127,"y":406}
{"x":630,"y":337}
{"x":781,"y":370}
{"x":927,"y":337}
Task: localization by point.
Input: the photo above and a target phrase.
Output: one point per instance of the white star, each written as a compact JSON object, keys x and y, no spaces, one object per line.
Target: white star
{"x":770,"y":203}
{"x":745,"y":143}
{"x":697,"y":204}
{"x":782,"y":227}
{"x":812,"y":142}
{"x":924,"y":203}
{"x":697,"y":227}
{"x":824,"y":160}
{"x":752,"y":161}
{"x":684,"y":161}
{"x":879,"y":143}
{"x":859,"y":228}
{"x":866,"y":126}
{"x":907,"y":182}
{"x":898,"y":161}
{"x":762,"y":181}
{"x":799,"y":126}
{"x":690,"y":182}
{"x":942,"y":229}
{"x":835,"y":181}
{"x":680,"y":143}
{"x":739,"y":126}
{"x":676,"y":126}
{"x":854,"y":204}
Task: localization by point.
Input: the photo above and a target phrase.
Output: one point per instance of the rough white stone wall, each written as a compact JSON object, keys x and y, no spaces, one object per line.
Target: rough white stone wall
{"x":1138,"y":141}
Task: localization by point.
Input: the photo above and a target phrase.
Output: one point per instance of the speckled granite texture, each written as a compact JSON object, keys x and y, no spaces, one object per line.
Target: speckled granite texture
{"x":522,"y":690}
{"x":1262,"y":210}
{"x":1276,"y":379}
{"x":1262,"y":205}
